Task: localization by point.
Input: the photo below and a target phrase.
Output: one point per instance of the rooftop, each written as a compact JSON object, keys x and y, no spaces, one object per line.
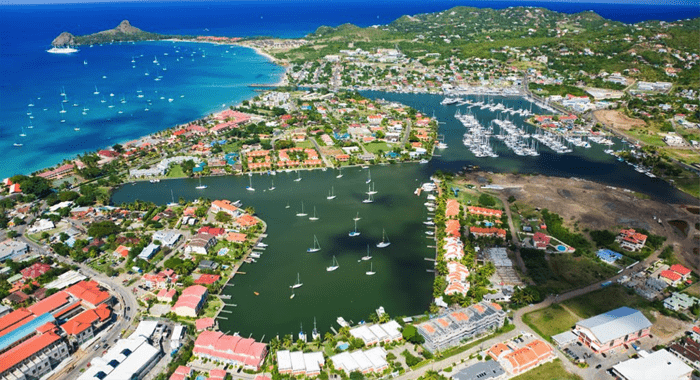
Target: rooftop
{"x":615,"y":323}
{"x":658,"y":365}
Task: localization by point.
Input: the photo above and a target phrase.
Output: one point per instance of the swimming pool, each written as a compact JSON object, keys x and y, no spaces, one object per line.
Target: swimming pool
{"x":561,"y":248}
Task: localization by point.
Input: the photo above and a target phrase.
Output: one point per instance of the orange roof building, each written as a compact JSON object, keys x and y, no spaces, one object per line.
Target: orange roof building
{"x":528,"y":357}
{"x":452,"y":208}
{"x":246,"y":221}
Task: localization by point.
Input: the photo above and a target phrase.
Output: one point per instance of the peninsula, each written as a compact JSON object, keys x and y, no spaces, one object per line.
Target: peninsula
{"x":122,"y":33}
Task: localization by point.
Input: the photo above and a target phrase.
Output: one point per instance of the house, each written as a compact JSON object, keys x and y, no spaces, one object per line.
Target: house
{"x":452,"y":208}
{"x":148,"y":252}
{"x":165,"y":295}
{"x":657,"y":365}
{"x":204,"y":323}
{"x":182,"y":373}
{"x":531,"y":355}
{"x":167,"y":237}
{"x":608,"y":256}
{"x":236,"y":237}
{"x":208,"y":265}
{"x":368,"y":361}
{"x":35,"y":270}
{"x":484,"y":211}
{"x":190,"y":301}
{"x":200,"y":244}
{"x":452,"y":228}
{"x":540,"y":240}
{"x":122,"y":251}
{"x":612,"y":329}
{"x":83,"y":326}
{"x":246,"y":221}
{"x":207,"y":279}
{"x":631,"y":240}
{"x":299,"y":363}
{"x":680,"y":301}
{"x":10,"y":249}
{"x":225,"y":206}
{"x":687,"y":350}
{"x":670,"y":277}
{"x":489,"y":231}
{"x":681,"y":270}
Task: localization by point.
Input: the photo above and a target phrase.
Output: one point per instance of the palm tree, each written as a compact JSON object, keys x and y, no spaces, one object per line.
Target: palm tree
{"x":287,"y":341}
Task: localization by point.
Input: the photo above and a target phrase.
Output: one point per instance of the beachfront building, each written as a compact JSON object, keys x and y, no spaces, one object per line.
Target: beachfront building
{"x":517,"y":360}
{"x":612,"y":329}
{"x":299,"y":363}
{"x":457,"y":274}
{"x":488,"y":231}
{"x":450,"y":329}
{"x":230,"y":349}
{"x":225,"y":206}
{"x":190,"y":301}
{"x":368,"y":361}
{"x":385,"y":332}
{"x":631,"y":240}
{"x":657,"y":365}
{"x":454,"y":248}
{"x":488,"y":212}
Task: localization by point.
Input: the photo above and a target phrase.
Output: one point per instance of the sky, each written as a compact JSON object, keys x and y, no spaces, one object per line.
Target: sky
{"x":631,"y":2}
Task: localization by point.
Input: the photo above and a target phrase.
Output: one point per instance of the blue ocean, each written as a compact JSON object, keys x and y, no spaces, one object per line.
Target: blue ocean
{"x":58,"y":106}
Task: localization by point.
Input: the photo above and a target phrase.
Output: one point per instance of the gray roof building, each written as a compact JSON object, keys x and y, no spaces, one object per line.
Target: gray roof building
{"x":481,"y":371}
{"x":605,"y":329}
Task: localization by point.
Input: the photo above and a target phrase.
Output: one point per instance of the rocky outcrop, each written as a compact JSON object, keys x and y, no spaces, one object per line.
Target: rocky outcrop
{"x":64,"y":39}
{"x":123,"y":27}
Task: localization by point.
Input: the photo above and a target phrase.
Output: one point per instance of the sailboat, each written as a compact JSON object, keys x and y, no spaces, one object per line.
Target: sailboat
{"x":370,"y":199}
{"x":314,"y":217}
{"x":331,"y":194}
{"x":172,"y":199}
{"x":18,"y":144}
{"x":96,"y":91}
{"x":357,"y":217}
{"x":334,"y":265}
{"x":298,"y":177}
{"x":22,"y":134}
{"x":371,"y":270}
{"x":314,"y":333}
{"x":200,"y":187}
{"x":272,"y":185}
{"x":354,"y":233}
{"x":63,"y":110}
{"x":302,"y":213}
{"x":385,"y":241}
{"x":369,"y":177}
{"x":298,"y":283}
{"x":302,"y":334}
{"x":250,"y":186}
{"x":340,"y":173}
{"x":292,"y":296}
{"x":287,"y":206}
{"x":371,"y":190}
{"x":367,"y":256}
{"x":316,"y":247}
{"x":63,"y":91}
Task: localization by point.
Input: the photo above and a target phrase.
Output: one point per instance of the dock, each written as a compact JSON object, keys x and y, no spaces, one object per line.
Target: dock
{"x":428,"y":259}
{"x":226,"y":311}
{"x":224,"y":296}
{"x":334,"y":332}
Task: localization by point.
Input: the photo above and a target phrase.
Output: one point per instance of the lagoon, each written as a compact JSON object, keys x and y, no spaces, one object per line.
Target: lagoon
{"x":402,"y":284}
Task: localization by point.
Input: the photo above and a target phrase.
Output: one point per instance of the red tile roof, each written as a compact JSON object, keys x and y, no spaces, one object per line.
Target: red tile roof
{"x":680,"y":269}
{"x":207,"y":279}
{"x":36,"y":270}
{"x":26,"y":349}
{"x":671,"y":275}
{"x":86,"y":319}
{"x":204,"y":323}
{"x":51,"y":303}
{"x":88,"y":291}
{"x":13,"y":320}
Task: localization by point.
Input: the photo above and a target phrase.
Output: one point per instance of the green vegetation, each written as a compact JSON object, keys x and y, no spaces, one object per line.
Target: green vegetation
{"x":550,"y":321}
{"x":606,"y":299}
{"x":549,"y":371}
{"x":563,"y":272}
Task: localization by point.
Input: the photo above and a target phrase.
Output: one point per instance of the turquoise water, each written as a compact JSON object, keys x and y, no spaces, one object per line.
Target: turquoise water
{"x":196,"y":79}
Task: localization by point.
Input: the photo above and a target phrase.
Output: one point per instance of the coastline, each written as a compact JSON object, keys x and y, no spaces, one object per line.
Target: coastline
{"x":282,"y":81}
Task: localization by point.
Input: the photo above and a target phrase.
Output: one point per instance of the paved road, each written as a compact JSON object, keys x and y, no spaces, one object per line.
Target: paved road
{"x":125,"y":299}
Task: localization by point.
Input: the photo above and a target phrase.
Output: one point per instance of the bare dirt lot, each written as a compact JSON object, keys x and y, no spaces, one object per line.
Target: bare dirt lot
{"x":617,"y":120}
{"x":596,"y":206}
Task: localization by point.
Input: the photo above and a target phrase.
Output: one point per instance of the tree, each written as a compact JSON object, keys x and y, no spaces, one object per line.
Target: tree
{"x":223,"y":217}
{"x":37,"y":186}
{"x":486,"y":200}
{"x":102,"y":229}
{"x":410,"y":334}
{"x":12,"y":234}
{"x":118,"y":148}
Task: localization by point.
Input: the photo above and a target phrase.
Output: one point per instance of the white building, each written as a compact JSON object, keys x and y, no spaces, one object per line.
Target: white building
{"x":300,"y":363}
{"x":65,"y":280}
{"x":127,"y":359}
{"x":372,"y":360}
{"x":385,"y":332}
{"x":167,"y":237}
{"x":658,"y":365}
{"x":9,"y":249}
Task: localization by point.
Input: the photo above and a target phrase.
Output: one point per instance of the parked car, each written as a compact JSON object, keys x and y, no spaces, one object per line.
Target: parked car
{"x":598,"y":366}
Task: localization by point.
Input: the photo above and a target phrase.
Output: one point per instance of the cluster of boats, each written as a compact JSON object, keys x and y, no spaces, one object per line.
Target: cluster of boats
{"x":476,"y":138}
{"x":487,"y":104}
{"x":515,"y":139}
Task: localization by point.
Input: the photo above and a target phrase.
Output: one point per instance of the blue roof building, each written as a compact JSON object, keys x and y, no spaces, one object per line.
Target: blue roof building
{"x":608,"y":256}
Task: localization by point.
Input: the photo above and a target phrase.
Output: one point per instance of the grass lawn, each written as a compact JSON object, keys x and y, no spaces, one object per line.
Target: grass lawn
{"x":305,"y":144}
{"x":648,"y":135}
{"x":213,"y":306}
{"x":176,"y":172}
{"x":376,"y":147}
{"x":607,"y":299}
{"x":550,"y":371}
{"x":689,"y":185}
{"x":563,"y":271}
{"x":550,"y":321}
{"x":694,"y":290}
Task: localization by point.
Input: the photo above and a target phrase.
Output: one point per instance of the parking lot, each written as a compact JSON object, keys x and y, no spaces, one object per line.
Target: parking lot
{"x":599,"y":364}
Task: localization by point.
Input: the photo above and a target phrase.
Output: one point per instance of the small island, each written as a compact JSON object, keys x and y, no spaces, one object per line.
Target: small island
{"x":122,"y":33}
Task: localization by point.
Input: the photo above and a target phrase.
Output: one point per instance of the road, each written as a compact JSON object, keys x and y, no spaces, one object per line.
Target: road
{"x":125,"y":300}
{"x":513,"y":233}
